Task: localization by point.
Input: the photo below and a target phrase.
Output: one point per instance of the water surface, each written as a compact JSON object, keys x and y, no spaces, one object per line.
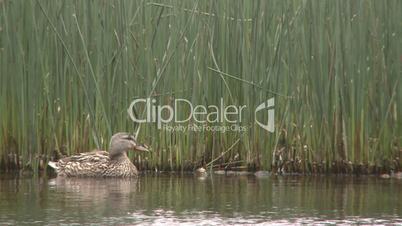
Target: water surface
{"x":186,"y":199}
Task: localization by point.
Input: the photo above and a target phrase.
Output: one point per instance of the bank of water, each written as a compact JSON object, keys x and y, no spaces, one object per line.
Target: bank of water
{"x":187,"y":199}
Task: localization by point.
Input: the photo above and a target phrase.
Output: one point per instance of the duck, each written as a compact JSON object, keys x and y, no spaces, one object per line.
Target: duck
{"x":99,"y":163}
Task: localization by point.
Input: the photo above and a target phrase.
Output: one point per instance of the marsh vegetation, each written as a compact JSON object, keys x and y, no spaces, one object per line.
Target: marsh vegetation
{"x":69,"y":70}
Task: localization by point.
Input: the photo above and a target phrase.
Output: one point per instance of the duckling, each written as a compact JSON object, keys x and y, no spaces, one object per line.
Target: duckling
{"x":397,"y":175}
{"x":114,"y":163}
{"x":201,"y":172}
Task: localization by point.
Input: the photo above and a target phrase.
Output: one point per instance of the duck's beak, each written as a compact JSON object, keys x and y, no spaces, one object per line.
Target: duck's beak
{"x":139,"y":147}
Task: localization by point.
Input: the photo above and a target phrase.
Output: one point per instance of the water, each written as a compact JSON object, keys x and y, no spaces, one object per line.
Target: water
{"x":186,"y":199}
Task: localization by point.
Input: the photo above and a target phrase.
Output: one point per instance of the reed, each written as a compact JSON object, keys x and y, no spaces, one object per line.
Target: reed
{"x":69,"y":70}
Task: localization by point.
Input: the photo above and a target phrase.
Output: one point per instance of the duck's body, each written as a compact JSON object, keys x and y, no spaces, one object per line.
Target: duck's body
{"x":95,"y":164}
{"x":114,"y":163}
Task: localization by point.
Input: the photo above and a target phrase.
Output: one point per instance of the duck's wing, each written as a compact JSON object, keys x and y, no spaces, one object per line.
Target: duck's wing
{"x":95,"y":156}
{"x":84,"y":164}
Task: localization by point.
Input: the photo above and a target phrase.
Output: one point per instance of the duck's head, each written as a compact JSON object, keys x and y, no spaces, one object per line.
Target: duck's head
{"x":121,"y":142}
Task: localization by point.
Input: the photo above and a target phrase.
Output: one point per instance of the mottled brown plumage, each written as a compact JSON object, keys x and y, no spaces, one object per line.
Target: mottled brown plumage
{"x":114,"y":163}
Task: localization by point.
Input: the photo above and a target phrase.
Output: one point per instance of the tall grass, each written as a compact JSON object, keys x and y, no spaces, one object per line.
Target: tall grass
{"x":69,"y":70}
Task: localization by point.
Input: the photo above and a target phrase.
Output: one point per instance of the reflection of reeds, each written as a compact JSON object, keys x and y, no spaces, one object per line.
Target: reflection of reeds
{"x":68,"y":71}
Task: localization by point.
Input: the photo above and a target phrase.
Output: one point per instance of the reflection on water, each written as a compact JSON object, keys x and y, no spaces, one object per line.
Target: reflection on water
{"x":185,"y":199}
